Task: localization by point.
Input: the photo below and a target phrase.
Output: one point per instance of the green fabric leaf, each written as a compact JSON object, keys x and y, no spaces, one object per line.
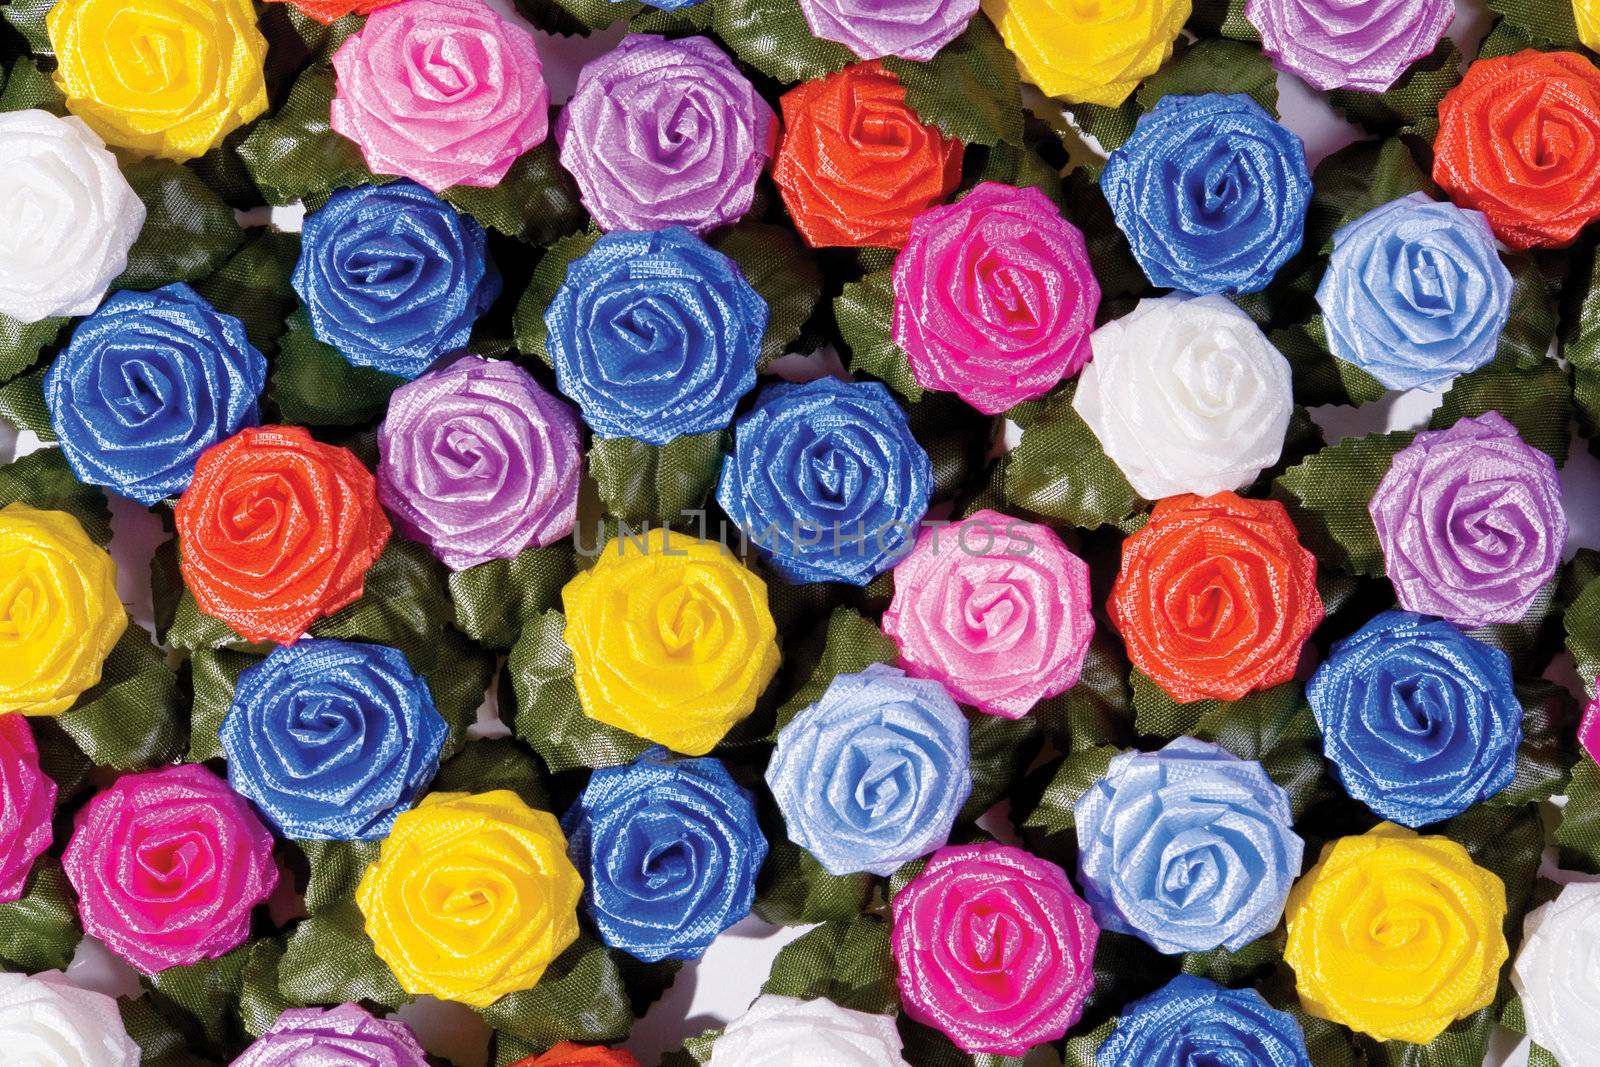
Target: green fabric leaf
{"x":1081,"y":1049}
{"x":336,"y":869}
{"x":970,"y":89}
{"x":1060,"y":471}
{"x":772,"y":36}
{"x":783,"y":270}
{"x":1237,"y":967}
{"x":1099,"y":709}
{"x":1327,"y":497}
{"x":293,"y":154}
{"x":27,"y":86}
{"x":536,"y":202}
{"x":644,"y":484}
{"x":527,"y":322}
{"x":1544,"y":22}
{"x":40,"y":930}
{"x":135,"y":716}
{"x":1320,"y":377}
{"x":403,"y":604}
{"x":1534,"y":317}
{"x":1535,"y":400}
{"x":188,"y":231}
{"x":493,"y":599}
{"x":1001,"y":750}
{"x":580,"y":998}
{"x":578,"y":17}
{"x":161,"y":1044}
{"x":1578,"y":835}
{"x":254,"y":286}
{"x":851,"y":644}
{"x":695,"y":1051}
{"x":865,"y":314}
{"x":1509,"y":842}
{"x":214,"y":674}
{"x":1354,"y":180}
{"x":260,"y":1001}
{"x":1074,"y":776}
{"x":1548,"y":749}
{"x":43,"y":480}
{"x":193,"y":629}
{"x":22,"y":404}
{"x":1580,"y":346}
{"x":486,"y":764}
{"x":1276,"y":728}
{"x":314,"y":385}
{"x":1109,"y":126}
{"x":329,"y":959}
{"x":1157,"y":714}
{"x":793,"y":889}
{"x":61,"y":759}
{"x":684,"y":22}
{"x":27,"y":17}
{"x":459,"y":681}
{"x":845,"y":961}
{"x":1125,"y":968}
{"x":548,"y":715}
{"x":22,"y":343}
{"x":1411,"y":104}
{"x":1214,"y":65}
{"x":957,"y":439}
{"x":201,"y":999}
{"x":1582,"y":622}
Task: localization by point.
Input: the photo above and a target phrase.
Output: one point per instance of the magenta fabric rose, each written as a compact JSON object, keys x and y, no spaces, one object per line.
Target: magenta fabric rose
{"x":1589,"y":729}
{"x":872,"y":29}
{"x":27,"y":801}
{"x":994,"y":299}
{"x":665,"y":133}
{"x":995,"y":608}
{"x":346,"y":1036}
{"x":444,"y":92}
{"x":993,"y":948}
{"x":168,"y":865}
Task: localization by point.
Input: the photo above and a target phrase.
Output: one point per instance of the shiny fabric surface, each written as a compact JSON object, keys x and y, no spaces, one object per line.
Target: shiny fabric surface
{"x":655,"y":335}
{"x":27,"y":803}
{"x":1333,"y":44}
{"x":1193,"y":1022}
{"x":669,"y":850}
{"x":665,"y":133}
{"x":874,"y":774}
{"x":330,"y":11}
{"x":826,"y":480}
{"x":872,"y":29}
{"x":1586,"y":13}
{"x":1419,"y":721}
{"x":778,"y":1031}
{"x":1189,"y":848}
{"x":993,"y":948}
{"x":1396,"y":936}
{"x":148,"y":382}
{"x":49,"y":1022}
{"x":1589,"y":729}
{"x":393,"y":277}
{"x":1094,"y":53}
{"x":332,"y":739}
{"x":345,"y":1036}
{"x":1556,"y":975}
{"x":994,"y":297}
{"x":568,"y":1054}
{"x":277,"y":530}
{"x":478,"y":461}
{"x":168,"y":865}
{"x":1471,"y":522}
{"x":1211,"y":192}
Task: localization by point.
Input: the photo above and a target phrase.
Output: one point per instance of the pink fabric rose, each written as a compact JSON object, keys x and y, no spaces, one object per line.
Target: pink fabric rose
{"x":994,"y":299}
{"x":993,"y":948}
{"x":27,"y":800}
{"x":995,"y":608}
{"x":168,"y":865}
{"x":1589,"y":729}
{"x":444,"y":92}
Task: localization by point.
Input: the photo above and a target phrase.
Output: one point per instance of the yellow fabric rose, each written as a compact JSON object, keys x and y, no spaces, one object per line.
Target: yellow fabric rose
{"x":472,"y":896}
{"x":672,"y":641}
{"x":165,"y":77}
{"x":1396,"y":935}
{"x":59,"y":612}
{"x":1088,"y":51}
{"x":1587,"y":15}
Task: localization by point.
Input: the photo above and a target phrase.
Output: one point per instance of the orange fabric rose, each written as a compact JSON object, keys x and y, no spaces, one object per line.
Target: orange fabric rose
{"x":567,"y":1054}
{"x":857,"y":164}
{"x":1519,"y":140}
{"x":329,"y":11}
{"x":1216,"y":596}
{"x":277,"y":530}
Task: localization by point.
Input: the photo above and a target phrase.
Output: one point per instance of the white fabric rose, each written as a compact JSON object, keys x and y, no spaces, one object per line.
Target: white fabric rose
{"x":1186,"y":396}
{"x":785,"y":1032}
{"x":1557,"y":974}
{"x":46,"y":1021}
{"x":67,"y":220}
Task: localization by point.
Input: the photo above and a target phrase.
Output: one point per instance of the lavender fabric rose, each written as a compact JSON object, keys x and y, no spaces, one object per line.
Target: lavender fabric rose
{"x":345,"y":1036}
{"x":872,"y":29}
{"x":1471,"y":523}
{"x":1335,"y":44}
{"x":478,"y":461}
{"x":665,"y":133}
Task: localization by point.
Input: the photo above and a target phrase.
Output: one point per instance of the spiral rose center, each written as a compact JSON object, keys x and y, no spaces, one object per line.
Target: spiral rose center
{"x":993,"y":609}
{"x":29,"y":215}
{"x":879,"y":126}
{"x":465,"y":900}
{"x":833,"y":474}
{"x":144,"y":391}
{"x":1422,"y":704}
{"x":1492,"y":522}
{"x":26,"y":603}
{"x":463,"y":454}
{"x":1215,"y":376}
{"x":690,"y":625}
{"x":157,"y":54}
{"x":1191,"y":872}
{"x":326,"y":721}
{"x":993,"y":938}
{"x":1216,"y":188}
{"x":885,"y":780}
{"x":1399,"y":927}
{"x":1011,"y":294}
{"x":665,"y":860}
{"x":173,"y":862}
{"x":1430,"y":285}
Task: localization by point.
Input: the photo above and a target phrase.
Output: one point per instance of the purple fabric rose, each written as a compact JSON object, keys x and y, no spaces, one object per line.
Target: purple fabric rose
{"x":1470,"y":521}
{"x":345,"y":1036}
{"x":665,"y":133}
{"x":910,"y":29}
{"x":1337,"y":44}
{"x":478,"y":461}
{"x":27,"y":800}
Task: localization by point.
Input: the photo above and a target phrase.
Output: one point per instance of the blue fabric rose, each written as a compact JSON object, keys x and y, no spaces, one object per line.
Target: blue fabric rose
{"x":1415,"y":292}
{"x":1192,"y":1022}
{"x":655,"y":335}
{"x":826,"y":480}
{"x":1189,"y":848}
{"x":669,"y":849}
{"x":150,"y":381}
{"x":332,"y":739}
{"x":1419,"y":720}
{"x":393,"y":277}
{"x":1212,"y":193}
{"x":874,"y":774}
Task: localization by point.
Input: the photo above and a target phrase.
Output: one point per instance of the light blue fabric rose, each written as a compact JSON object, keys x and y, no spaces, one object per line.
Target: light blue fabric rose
{"x":1192,"y":1022}
{"x":826,"y":480}
{"x":1419,"y":720}
{"x":1189,"y":848}
{"x":332,"y":739}
{"x":393,"y":277}
{"x":655,"y":335}
{"x":1415,"y":292}
{"x":669,"y":849}
{"x":874,"y":774}
{"x":150,"y":381}
{"x":1211,"y":192}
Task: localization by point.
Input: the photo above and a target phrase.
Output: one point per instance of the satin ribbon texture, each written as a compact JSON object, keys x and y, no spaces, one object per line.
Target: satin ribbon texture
{"x":341,"y":1036}
{"x":1330,"y":45}
{"x":568,"y":1054}
{"x":1554,"y":974}
{"x":48,"y":1020}
{"x":1088,"y":53}
{"x":778,"y":1031}
{"x":872,"y":29}
{"x":1190,"y":1020}
{"x":27,"y":803}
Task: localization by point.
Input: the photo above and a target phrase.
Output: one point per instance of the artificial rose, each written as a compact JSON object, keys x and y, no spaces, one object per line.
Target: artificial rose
{"x":58,"y":594}
{"x":994,"y":298}
{"x":1586,"y":13}
{"x":444,"y":92}
{"x":568,"y":1054}
{"x":1216,"y":596}
{"x":988,"y":991}
{"x":472,"y":897}
{"x":478,"y":461}
{"x":1186,"y":396}
{"x":47,"y":1021}
{"x":328,"y":12}
{"x":345,"y":1036}
{"x":277,"y":530}
{"x":1471,"y":522}
{"x":857,"y":164}
{"x":168,"y":865}
{"x":1194,"y":1022}
{"x":60,"y":255}
{"x":1093,"y":53}
{"x":27,"y":802}
{"x":1335,"y":45}
{"x":1519,"y":140}
{"x":1589,"y":729}
{"x":665,"y":133}
{"x":1556,"y":978}
{"x":995,"y":608}
{"x":778,"y":1031}
{"x":1395,"y":935}
{"x":872,"y":29}
{"x":672,"y":640}
{"x":164,"y":77}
